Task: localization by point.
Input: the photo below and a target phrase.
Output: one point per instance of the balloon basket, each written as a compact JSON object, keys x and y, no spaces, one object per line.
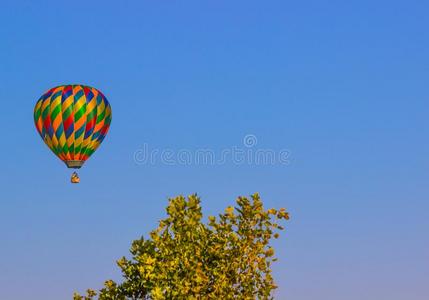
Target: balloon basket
{"x":74,"y":178}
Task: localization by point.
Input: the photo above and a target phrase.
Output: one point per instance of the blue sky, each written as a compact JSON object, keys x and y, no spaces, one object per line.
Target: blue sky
{"x":342,"y":85}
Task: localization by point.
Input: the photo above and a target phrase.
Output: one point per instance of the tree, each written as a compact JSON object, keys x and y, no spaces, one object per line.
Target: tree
{"x":184,"y":258}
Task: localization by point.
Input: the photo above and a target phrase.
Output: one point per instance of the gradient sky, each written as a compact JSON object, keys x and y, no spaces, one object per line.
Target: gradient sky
{"x":343,"y":85}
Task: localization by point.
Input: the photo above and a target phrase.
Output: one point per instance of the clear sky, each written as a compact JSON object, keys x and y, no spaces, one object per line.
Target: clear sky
{"x":342,"y":85}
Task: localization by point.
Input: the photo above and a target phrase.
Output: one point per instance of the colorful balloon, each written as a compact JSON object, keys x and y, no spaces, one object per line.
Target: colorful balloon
{"x":73,"y":120}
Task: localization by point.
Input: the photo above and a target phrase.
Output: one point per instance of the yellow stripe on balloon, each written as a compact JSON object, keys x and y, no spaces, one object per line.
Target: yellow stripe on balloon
{"x":89,"y":108}
{"x":68,"y":102}
{"x":80,"y":123}
{"x":48,"y":141}
{"x":56,"y":123}
{"x":79,"y":143}
{"x":100,"y":109}
{"x":108,"y":112}
{"x":39,"y":122}
{"x":94,"y":143}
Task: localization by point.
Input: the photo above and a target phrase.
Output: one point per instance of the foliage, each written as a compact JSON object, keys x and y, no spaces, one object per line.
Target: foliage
{"x":229,"y":258}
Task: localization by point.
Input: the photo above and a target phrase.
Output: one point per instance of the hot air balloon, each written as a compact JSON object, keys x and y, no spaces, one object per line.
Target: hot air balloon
{"x":73,"y":121}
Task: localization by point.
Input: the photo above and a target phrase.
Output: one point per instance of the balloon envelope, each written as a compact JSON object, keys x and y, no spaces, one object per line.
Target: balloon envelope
{"x":73,"y":120}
